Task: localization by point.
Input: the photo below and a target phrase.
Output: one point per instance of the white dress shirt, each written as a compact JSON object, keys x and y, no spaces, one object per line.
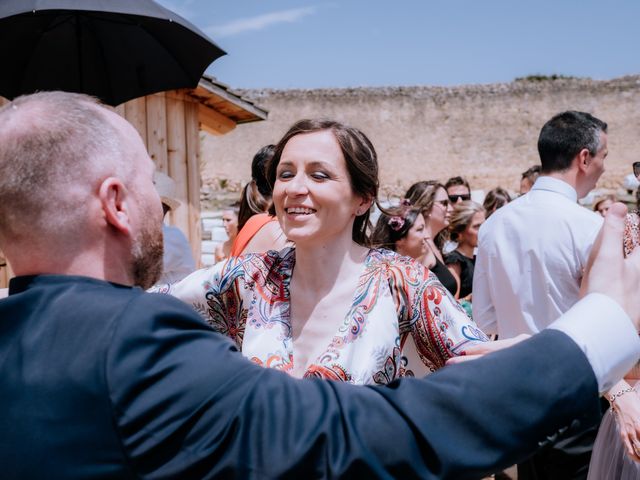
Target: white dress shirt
{"x":531,"y":257}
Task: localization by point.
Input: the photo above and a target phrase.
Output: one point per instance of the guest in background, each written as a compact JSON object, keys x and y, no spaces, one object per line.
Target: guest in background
{"x":178,"y":260}
{"x":529,"y":177}
{"x":602,"y":205}
{"x":256,"y":195}
{"x":466,"y":219}
{"x":230,"y":224}
{"x":458,"y":189}
{"x":401,"y":230}
{"x":431,"y":198}
{"x":495,"y":199}
{"x":257,"y":230}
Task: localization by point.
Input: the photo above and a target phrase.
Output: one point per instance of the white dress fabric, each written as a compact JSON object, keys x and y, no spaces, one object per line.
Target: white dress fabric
{"x":609,"y":460}
{"x":402,"y":321}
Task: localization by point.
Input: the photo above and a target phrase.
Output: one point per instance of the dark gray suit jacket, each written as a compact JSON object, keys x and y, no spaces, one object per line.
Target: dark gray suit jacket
{"x":105,"y":381}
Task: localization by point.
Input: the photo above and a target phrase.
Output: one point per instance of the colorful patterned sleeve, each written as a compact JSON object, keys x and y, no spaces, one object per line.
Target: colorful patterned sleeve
{"x":215,"y":293}
{"x":439,"y":325}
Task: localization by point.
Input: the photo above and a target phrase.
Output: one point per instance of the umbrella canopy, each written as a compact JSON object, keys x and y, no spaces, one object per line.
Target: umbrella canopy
{"x":114,"y":49}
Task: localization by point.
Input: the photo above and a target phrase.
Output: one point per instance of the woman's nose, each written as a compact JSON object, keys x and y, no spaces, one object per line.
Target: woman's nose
{"x":297,"y":185}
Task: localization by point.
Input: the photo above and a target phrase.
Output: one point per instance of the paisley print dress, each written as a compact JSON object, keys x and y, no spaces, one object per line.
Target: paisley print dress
{"x":401,"y":322}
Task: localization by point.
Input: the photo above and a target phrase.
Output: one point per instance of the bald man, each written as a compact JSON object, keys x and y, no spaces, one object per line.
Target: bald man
{"x":102,"y":380}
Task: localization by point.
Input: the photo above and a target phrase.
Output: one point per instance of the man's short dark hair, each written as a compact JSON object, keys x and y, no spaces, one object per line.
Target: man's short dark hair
{"x":562,"y":138}
{"x":453,"y":181}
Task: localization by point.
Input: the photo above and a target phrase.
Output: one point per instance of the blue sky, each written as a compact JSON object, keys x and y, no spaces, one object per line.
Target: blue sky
{"x":350,"y":43}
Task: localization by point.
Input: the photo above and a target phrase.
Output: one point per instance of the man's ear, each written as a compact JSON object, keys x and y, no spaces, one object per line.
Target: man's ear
{"x":584,"y":159}
{"x":113,"y":200}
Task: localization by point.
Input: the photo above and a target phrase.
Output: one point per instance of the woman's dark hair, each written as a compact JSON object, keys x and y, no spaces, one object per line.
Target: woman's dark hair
{"x":393,"y":225}
{"x":495,"y":199}
{"x":562,"y":138}
{"x":422,"y":195}
{"x":360,"y":158}
{"x":256,"y":195}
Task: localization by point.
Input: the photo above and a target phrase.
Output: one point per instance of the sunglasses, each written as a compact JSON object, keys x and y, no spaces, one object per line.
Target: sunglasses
{"x":636,"y":169}
{"x":465,"y":197}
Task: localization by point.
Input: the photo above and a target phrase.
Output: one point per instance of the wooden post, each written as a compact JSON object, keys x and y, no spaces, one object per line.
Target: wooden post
{"x":177,"y":157}
{"x":193,"y":176}
{"x":135,"y":111}
{"x":157,"y":131}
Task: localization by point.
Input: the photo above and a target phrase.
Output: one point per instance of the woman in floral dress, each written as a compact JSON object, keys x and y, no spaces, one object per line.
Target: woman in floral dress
{"x":331,"y":307}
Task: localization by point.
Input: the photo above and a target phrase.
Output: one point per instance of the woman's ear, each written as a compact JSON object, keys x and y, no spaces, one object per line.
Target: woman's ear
{"x":364,"y":205}
{"x":113,"y":200}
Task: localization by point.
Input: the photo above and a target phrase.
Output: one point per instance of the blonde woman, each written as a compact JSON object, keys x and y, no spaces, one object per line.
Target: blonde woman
{"x":465,"y":221}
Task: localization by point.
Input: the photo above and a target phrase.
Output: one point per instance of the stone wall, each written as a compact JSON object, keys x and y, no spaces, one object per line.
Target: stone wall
{"x":486,"y":132}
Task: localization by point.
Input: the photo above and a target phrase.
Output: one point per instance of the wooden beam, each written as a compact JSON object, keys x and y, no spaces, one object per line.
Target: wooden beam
{"x":177,"y":158}
{"x":214,"y":122}
{"x":192,"y":135}
{"x":135,"y":111}
{"x":157,"y":131}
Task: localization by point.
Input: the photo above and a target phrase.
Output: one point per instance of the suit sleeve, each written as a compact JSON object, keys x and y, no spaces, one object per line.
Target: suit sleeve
{"x":187,"y":405}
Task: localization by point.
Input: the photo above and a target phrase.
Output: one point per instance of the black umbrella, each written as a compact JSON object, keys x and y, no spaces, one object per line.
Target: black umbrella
{"x":114,"y":49}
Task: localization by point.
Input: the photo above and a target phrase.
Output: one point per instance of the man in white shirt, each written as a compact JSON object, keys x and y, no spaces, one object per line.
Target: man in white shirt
{"x":532,"y":252}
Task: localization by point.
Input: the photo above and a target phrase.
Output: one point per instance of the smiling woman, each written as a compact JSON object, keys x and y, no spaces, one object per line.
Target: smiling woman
{"x":332,"y":307}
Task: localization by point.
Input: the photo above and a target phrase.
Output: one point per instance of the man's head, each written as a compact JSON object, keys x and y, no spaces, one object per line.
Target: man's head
{"x":76,"y":188}
{"x":458,"y":189}
{"x":574,"y":143}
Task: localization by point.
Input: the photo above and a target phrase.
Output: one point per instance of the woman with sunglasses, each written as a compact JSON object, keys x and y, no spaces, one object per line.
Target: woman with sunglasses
{"x":331,"y":307}
{"x":616,"y":451}
{"x":432,"y":199}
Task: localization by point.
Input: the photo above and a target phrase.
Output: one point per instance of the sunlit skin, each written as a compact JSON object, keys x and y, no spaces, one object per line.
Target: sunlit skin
{"x":413,"y":244}
{"x":525,"y":186}
{"x":316,"y":208}
{"x":314,"y":202}
{"x":468,"y":240}
{"x":230,"y":225}
{"x":604,"y":206}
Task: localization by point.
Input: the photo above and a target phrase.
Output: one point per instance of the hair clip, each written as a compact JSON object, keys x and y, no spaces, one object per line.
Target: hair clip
{"x":396,"y":223}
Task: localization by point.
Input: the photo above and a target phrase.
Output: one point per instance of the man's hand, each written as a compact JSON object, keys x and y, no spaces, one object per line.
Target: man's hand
{"x":608,"y":272}
{"x":481,"y":349}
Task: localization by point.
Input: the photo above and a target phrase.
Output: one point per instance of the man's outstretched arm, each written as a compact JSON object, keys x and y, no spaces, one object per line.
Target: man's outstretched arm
{"x":187,"y":404}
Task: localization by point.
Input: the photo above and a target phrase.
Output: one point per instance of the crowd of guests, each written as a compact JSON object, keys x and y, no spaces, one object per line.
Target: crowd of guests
{"x":324,"y":171}
{"x":307,"y":285}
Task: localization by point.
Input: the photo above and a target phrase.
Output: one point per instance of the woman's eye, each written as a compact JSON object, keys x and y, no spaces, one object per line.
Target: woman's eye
{"x":320,"y":176}
{"x":285,"y":174}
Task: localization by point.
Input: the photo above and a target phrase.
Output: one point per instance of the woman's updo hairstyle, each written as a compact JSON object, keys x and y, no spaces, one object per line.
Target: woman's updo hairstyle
{"x":394,"y":224}
{"x":360,"y":158}
{"x":256,"y":195}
